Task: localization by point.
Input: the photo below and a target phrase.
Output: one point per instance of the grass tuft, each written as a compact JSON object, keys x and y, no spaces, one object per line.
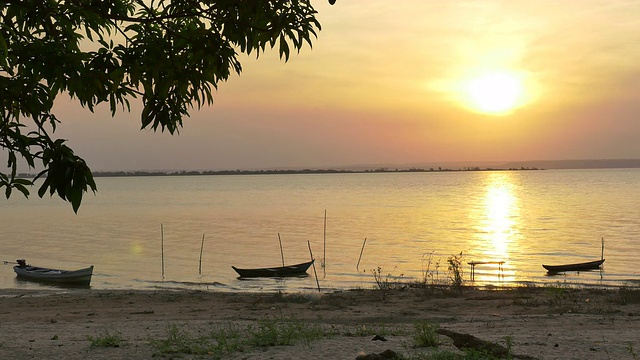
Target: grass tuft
{"x":275,"y":332}
{"x":106,"y":339}
{"x":222,"y":341}
{"x":425,"y":335}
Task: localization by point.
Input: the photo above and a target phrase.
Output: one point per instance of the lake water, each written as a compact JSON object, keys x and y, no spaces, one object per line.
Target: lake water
{"x":146,"y":232}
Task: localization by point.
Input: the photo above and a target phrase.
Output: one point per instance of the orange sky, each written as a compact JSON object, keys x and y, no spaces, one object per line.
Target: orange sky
{"x":388,"y":82}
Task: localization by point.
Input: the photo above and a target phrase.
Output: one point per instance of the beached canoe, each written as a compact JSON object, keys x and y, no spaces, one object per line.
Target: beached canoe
{"x":590,"y":265}
{"x":280,"y":271}
{"x":71,"y":277}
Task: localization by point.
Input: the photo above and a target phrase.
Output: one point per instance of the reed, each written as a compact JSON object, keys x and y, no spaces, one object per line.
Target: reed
{"x":455,"y":271}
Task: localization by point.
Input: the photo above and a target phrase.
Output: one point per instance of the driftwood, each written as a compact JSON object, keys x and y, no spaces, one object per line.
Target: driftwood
{"x":467,"y":341}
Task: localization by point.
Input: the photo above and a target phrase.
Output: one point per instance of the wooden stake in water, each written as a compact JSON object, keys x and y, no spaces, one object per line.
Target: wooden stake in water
{"x":162,"y":247}
{"x":201,"y":249}
{"x":358,"y":264}
{"x":314,"y":265}
{"x":602,"y":255}
{"x":324,"y":255}
{"x":281,"y":252}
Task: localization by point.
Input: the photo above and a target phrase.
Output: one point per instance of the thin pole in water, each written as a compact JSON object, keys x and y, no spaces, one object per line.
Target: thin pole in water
{"x":324,"y":255}
{"x":314,"y":265}
{"x":358,"y":265}
{"x":281,"y":252}
{"x":602,"y":255}
{"x":201,"y":249}
{"x":162,"y":247}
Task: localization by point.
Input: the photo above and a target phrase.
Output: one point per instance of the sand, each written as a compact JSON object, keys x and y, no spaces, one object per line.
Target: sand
{"x":542,"y":323}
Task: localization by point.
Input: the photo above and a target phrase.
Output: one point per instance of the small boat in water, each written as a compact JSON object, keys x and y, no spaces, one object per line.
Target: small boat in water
{"x":583,"y":266}
{"x":68,"y":277}
{"x":590,"y":265}
{"x":280,"y":271}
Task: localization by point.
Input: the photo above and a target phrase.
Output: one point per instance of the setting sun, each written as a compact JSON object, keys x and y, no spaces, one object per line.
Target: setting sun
{"x":495,"y":93}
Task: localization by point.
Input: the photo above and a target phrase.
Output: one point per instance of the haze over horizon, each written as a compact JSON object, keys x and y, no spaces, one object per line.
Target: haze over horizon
{"x":456,"y":165}
{"x":408,"y":82}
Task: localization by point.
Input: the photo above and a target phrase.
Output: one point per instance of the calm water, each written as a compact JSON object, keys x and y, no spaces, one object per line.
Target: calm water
{"x":412,"y":222}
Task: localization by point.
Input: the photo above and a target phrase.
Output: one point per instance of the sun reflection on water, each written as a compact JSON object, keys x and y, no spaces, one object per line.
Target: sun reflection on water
{"x":497,"y":234}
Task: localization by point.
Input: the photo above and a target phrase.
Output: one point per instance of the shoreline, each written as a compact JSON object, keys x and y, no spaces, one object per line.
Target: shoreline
{"x":536,"y":322}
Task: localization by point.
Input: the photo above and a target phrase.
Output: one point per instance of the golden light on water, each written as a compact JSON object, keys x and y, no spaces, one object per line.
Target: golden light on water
{"x":499,"y":204}
{"x":497,"y":229}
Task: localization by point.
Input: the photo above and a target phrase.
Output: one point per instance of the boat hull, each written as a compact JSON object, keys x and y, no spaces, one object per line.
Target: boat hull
{"x":71,"y":277}
{"x":281,"y":271}
{"x":585,"y":266}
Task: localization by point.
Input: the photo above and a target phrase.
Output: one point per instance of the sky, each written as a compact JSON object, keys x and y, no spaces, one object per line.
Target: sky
{"x":406,"y":82}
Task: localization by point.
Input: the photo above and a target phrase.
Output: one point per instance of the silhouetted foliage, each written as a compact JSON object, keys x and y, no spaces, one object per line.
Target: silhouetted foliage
{"x":170,"y":54}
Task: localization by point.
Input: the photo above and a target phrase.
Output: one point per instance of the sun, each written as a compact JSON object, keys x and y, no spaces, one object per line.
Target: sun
{"x":496,"y":93}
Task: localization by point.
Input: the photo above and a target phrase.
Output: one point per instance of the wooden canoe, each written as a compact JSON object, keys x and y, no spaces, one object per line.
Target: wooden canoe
{"x":590,"y":265}
{"x":280,"y":271}
{"x":41,"y":274}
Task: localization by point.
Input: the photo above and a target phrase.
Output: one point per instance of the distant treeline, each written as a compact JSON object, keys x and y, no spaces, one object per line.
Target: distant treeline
{"x":510,"y":166}
{"x":280,"y":172}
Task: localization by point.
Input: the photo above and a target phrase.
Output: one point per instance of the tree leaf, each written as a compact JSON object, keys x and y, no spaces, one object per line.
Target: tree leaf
{"x":22,"y":189}
{"x":169,"y":53}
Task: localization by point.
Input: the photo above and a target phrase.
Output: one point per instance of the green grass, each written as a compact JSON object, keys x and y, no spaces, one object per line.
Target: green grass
{"x":217,"y":343}
{"x":425,"y":335}
{"x":106,"y":339}
{"x":283,"y":332}
{"x":223,"y":341}
{"x":374,"y":329}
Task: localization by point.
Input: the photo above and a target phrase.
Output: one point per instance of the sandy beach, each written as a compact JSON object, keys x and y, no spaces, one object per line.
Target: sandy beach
{"x":542,"y":323}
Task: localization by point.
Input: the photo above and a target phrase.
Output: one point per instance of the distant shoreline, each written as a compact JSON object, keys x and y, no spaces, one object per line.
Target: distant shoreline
{"x":284,"y":172}
{"x":395,"y":168}
{"x":289,"y":171}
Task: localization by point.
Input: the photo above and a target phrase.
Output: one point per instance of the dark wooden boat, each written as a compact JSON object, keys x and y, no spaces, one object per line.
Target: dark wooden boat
{"x":590,"y":265}
{"x":280,"y":271}
{"x":41,"y":274}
